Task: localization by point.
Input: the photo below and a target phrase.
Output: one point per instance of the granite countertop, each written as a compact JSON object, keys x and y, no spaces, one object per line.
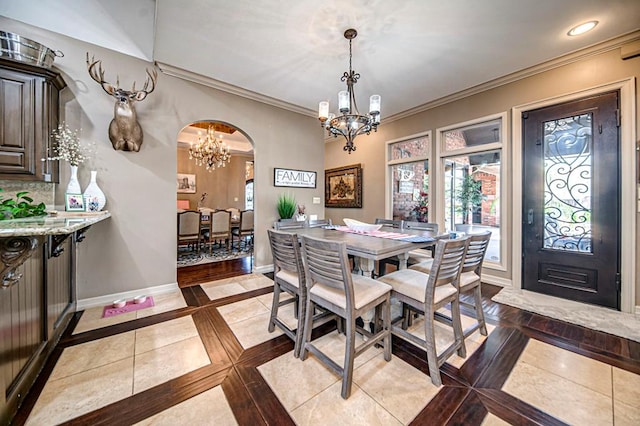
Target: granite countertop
{"x":55,"y":223}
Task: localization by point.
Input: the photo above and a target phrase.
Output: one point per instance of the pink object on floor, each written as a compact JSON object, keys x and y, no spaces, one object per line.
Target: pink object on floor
{"x":110,"y":311}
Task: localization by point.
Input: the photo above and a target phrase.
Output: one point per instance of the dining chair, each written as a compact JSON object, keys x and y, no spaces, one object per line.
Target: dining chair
{"x":288,"y":276}
{"x":189,"y":225}
{"x":382,"y":263}
{"x":426,"y":293}
{"x":393,"y":223}
{"x":245,"y":230}
{"x":318,"y":223}
{"x":470,"y":280}
{"x":235,"y":213}
{"x":332,"y":287}
{"x":289,"y":224}
{"x":219,"y":229}
{"x":420,"y":255}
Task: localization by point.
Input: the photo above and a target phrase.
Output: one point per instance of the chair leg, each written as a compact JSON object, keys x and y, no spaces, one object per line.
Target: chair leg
{"x":479,"y":311}
{"x":430,"y":346}
{"x":349,"y":355}
{"x":457,"y":327}
{"x":386,"y":326}
{"x":308,"y":321}
{"x":300,"y":307}
{"x":274,"y":307}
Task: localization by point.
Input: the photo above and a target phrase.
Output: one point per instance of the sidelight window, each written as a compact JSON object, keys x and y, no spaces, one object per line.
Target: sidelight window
{"x":471,"y":167}
{"x":408,"y":171}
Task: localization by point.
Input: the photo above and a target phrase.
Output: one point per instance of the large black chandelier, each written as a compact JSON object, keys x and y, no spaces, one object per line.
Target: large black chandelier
{"x":350,"y":124}
{"x":209,"y":151}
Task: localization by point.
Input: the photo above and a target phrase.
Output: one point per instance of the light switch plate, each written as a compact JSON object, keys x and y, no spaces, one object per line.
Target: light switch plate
{"x":316,"y":200}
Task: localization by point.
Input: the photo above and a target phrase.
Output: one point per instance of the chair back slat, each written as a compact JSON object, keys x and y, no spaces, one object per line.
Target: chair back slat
{"x":326,"y":263}
{"x":476,"y":251}
{"x":421,"y":226}
{"x":289,"y":224}
{"x":447,"y":263}
{"x":317,"y":223}
{"x":286,"y":252}
{"x":390,"y":222}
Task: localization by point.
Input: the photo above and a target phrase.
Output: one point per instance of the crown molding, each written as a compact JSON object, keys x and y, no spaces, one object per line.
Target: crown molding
{"x":234,"y":90}
{"x":560,"y":61}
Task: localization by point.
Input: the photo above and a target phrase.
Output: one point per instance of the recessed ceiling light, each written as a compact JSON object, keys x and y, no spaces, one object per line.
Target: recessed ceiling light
{"x":582,"y":28}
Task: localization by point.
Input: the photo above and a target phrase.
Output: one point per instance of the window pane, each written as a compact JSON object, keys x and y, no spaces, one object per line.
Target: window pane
{"x":410,"y":189}
{"x":481,"y":134}
{"x":472,"y":196}
{"x":567,"y":176}
{"x":409,"y":149}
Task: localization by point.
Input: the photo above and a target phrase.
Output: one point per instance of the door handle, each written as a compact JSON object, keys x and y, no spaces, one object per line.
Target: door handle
{"x":530,"y":217}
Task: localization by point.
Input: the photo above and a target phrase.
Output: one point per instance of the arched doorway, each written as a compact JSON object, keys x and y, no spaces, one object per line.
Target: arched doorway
{"x":206,"y":182}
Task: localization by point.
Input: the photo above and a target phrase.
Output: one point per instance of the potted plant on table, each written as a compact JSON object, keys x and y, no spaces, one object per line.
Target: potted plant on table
{"x":286,"y":206}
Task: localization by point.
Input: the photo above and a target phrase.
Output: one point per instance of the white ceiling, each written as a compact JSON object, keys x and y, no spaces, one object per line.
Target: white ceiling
{"x":409,"y":52}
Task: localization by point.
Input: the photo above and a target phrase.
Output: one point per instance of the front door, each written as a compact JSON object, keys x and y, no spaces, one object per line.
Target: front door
{"x":571,"y":200}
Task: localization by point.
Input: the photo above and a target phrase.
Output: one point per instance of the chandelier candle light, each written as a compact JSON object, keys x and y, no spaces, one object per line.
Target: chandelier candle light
{"x":209,"y":151}
{"x":350,"y":124}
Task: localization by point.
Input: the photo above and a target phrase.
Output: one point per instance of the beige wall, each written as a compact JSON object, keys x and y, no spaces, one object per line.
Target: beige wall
{"x":586,"y":73}
{"x":224,"y":186}
{"x":136,"y":248}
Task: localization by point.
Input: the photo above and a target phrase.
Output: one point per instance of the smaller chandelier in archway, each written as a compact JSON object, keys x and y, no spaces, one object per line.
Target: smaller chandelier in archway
{"x":210,"y":151}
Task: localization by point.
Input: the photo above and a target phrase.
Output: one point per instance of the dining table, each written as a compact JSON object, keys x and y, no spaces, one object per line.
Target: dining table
{"x":368,"y":247}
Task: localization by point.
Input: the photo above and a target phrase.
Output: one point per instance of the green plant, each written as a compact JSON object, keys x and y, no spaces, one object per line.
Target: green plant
{"x":286,"y":206}
{"x":469,"y":195}
{"x":21,"y":207}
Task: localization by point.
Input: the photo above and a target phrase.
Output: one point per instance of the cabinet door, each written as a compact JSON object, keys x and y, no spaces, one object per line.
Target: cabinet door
{"x":59,"y":285}
{"x":17,"y":125}
{"x":22,"y":314}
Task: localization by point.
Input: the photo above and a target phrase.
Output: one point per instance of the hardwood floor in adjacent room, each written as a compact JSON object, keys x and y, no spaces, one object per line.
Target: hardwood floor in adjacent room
{"x":204,"y":356}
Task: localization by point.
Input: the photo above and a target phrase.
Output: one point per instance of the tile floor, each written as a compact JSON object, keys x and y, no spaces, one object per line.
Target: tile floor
{"x":102,"y":376}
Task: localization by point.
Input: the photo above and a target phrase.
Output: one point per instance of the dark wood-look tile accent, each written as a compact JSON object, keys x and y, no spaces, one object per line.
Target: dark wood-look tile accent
{"x":467,"y":394}
{"x":244,"y":407}
{"x":515,"y":411}
{"x":154,"y":400}
{"x":471,"y":412}
{"x":439,"y":409}
{"x":269,"y":406}
{"x":88,"y":336}
{"x":200,"y":274}
{"x":195,"y":296}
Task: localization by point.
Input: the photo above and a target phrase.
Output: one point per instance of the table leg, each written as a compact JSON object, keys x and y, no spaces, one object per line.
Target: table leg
{"x":366,"y":266}
{"x":402,"y":260}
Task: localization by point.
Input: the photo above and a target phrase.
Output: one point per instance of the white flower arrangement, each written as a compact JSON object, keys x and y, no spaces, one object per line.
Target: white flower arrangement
{"x":67,"y":146}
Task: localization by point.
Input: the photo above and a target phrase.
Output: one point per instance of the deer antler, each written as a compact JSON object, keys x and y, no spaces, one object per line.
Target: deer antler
{"x":151,"y":79}
{"x":98,"y":76}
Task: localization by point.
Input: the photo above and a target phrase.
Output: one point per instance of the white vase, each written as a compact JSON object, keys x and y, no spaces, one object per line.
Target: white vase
{"x":73,"y":187}
{"x":94,"y":198}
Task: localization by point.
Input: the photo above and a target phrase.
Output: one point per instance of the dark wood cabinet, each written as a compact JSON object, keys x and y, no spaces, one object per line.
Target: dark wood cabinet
{"x":29,"y":107}
{"x":33,"y":314}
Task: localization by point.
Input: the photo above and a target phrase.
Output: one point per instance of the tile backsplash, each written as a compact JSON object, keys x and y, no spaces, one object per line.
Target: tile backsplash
{"x":39,"y":191}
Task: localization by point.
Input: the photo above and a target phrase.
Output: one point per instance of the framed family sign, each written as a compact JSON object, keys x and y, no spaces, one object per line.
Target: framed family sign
{"x":294,"y":178}
{"x":343,"y":187}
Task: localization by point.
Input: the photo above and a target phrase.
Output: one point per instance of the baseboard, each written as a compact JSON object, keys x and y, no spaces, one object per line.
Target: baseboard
{"x":106,"y":299}
{"x":263,"y":269}
{"x":491,"y":279}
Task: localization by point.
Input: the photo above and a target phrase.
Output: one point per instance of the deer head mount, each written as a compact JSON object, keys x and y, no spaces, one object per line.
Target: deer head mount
{"x":125,"y":132}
